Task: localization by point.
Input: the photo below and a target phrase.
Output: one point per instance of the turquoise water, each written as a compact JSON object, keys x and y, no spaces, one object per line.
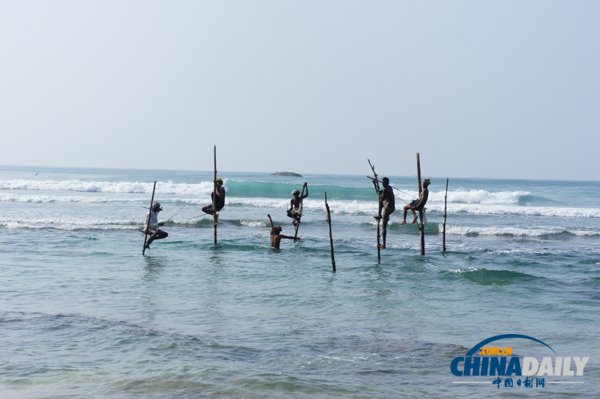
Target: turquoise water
{"x":84,"y":314}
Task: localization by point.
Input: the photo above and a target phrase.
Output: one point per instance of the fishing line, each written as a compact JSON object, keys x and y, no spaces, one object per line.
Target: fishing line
{"x":401,"y":199}
{"x":175,"y":213}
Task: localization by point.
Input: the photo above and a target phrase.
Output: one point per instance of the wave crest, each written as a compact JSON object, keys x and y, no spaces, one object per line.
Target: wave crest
{"x":197,"y":189}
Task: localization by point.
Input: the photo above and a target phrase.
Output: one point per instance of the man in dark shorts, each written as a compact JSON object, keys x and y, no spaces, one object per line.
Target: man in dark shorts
{"x":219,"y":200}
{"x":294,"y":211}
{"x":156,"y":233}
{"x":418,"y":205}
{"x":276,"y":236}
{"x":388,"y":205}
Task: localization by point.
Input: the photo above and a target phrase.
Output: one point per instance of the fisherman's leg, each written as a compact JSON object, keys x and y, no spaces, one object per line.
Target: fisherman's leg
{"x":386,"y":219}
{"x":404,"y":212}
{"x":161,"y":234}
{"x":295,"y":217}
{"x":208,"y":209}
{"x":416,"y":216}
{"x":153,"y":234}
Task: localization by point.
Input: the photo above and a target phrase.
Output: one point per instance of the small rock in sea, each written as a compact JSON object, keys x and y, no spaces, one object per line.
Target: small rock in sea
{"x":287,"y":174}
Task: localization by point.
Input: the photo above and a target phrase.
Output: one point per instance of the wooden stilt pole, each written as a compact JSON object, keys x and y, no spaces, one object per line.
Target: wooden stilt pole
{"x":445,"y":213}
{"x":421,"y":225}
{"x":148,"y":220}
{"x":376,"y":185}
{"x":215,"y":212}
{"x":330,"y":236}
{"x":299,"y":211}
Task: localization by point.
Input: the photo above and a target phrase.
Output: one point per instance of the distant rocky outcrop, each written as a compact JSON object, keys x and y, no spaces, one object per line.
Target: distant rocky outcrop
{"x":292,"y":174}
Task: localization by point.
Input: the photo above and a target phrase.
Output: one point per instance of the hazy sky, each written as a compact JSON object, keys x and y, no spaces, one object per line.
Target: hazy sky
{"x":505,"y":89}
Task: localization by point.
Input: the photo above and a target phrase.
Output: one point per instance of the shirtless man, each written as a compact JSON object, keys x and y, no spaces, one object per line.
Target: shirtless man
{"x":294,"y":210}
{"x":388,"y":205}
{"x":220,"y":200}
{"x":418,"y":205}
{"x":276,"y":236}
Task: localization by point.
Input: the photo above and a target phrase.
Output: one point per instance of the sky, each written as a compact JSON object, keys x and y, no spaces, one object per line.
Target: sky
{"x":482,"y":89}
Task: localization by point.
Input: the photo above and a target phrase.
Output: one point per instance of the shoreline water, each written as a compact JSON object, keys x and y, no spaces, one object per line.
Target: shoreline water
{"x":82,"y":313}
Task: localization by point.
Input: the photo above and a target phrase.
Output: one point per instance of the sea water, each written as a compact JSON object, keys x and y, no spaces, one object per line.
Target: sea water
{"x":84,"y":314}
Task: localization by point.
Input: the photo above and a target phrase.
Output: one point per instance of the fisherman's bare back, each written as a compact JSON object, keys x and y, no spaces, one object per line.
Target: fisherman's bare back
{"x":276,"y":235}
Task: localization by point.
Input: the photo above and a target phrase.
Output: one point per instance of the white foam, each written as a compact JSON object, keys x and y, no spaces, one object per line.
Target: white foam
{"x":198,"y":189}
{"x":259,"y":202}
{"x":351,"y":207}
{"x":518,"y":210}
{"x":68,"y":227}
{"x":460,"y":271}
{"x":516,"y":231}
{"x":368,"y":207}
{"x":70,"y":223}
{"x":466,"y":197}
{"x":250,"y":223}
{"x":477,"y":202}
{"x":201,"y":191}
{"x":57,"y":198}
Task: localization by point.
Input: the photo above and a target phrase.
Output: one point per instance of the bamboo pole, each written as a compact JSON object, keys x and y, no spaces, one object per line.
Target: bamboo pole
{"x":421,"y":225}
{"x":148,"y":220}
{"x":376,"y":185}
{"x":215,"y":213}
{"x":330,"y":236}
{"x":299,"y":212}
{"x":445,"y":213}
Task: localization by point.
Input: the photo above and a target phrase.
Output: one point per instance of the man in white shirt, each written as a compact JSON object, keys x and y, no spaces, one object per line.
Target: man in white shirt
{"x":153,"y":229}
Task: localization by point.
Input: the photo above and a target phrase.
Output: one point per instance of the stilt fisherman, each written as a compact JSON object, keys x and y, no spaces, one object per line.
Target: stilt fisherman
{"x":152,"y":223}
{"x":219,"y":200}
{"x":294,"y":212}
{"x":418,"y":204}
{"x":388,"y":205}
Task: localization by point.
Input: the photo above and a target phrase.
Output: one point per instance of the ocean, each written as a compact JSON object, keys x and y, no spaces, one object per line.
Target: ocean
{"x":84,"y":314}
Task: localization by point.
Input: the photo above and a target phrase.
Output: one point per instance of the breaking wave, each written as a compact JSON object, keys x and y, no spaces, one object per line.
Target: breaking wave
{"x":518,"y":231}
{"x":241,"y":189}
{"x":518,"y":210}
{"x":198,"y":189}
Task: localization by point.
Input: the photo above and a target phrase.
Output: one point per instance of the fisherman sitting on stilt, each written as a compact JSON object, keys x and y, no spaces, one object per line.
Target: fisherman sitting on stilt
{"x":294,"y":212}
{"x":219,"y":201}
{"x":153,"y":224}
{"x":417,"y":205}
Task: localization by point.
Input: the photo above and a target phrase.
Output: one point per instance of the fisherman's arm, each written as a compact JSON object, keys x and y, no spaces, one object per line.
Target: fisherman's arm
{"x":289,"y":237}
{"x":425,"y":197}
{"x":270,"y":220}
{"x":305,"y":186}
{"x":391,"y":196}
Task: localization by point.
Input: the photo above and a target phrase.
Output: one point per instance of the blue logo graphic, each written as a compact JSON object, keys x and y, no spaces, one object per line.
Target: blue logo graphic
{"x":486,"y":360}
